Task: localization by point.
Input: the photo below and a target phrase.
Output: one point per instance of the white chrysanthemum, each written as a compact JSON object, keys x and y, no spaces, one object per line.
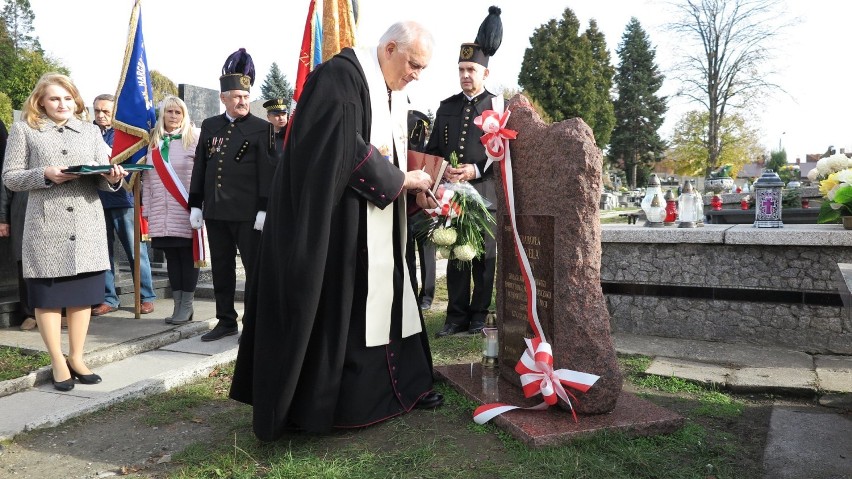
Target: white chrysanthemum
{"x":822,"y":167}
{"x":837,"y":162}
{"x":444,"y":236}
{"x":464,"y":252}
{"x":812,"y":175}
{"x":845,"y":176}
{"x":444,"y":252}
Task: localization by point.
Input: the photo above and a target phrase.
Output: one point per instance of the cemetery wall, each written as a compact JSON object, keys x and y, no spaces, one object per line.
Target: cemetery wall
{"x":733,"y":283}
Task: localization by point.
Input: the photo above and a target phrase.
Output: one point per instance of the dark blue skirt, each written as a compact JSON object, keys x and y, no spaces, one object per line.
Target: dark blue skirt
{"x":84,"y":289}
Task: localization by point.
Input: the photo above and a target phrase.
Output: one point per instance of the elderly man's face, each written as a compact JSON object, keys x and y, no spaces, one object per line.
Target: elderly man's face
{"x":403,"y":65}
{"x":236,"y":103}
{"x":472,"y":77}
{"x":103,"y":113}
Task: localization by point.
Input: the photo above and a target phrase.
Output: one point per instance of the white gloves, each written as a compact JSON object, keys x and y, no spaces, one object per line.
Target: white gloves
{"x":196,"y":220}
{"x":259,"y":219}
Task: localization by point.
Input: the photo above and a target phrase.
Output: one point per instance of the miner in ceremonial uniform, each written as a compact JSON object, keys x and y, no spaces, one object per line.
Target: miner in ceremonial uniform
{"x":454,"y":131}
{"x":338,"y":339}
{"x":230,"y":185}
{"x":277,"y":114}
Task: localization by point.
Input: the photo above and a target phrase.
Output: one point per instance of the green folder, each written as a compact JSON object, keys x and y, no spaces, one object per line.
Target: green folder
{"x":98,"y":169}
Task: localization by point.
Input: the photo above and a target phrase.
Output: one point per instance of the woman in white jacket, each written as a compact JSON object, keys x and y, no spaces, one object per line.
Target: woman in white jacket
{"x":164,"y":192}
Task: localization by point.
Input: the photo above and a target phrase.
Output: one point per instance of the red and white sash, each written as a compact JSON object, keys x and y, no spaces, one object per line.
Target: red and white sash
{"x":174,"y":186}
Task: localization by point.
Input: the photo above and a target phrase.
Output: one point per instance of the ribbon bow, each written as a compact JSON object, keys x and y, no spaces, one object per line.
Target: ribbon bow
{"x":493,"y":124}
{"x":446,"y":206}
{"x":538,"y":377}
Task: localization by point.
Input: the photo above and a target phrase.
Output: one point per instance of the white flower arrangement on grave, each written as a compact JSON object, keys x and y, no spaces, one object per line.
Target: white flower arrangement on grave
{"x":837,"y":190}
{"x":458,"y":224}
{"x":828,"y":165}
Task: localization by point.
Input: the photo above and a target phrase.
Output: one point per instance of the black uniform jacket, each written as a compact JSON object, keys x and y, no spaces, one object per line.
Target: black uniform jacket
{"x":233,"y":168}
{"x":303,"y":363}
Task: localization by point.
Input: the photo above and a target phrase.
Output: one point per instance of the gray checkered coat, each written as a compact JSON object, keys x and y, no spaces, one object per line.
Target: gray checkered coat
{"x":64,"y":230}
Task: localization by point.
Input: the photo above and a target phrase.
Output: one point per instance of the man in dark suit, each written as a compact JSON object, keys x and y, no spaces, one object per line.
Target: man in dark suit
{"x":230,"y":181}
{"x":454,"y":131}
{"x":418,"y":133}
{"x":278,"y":115}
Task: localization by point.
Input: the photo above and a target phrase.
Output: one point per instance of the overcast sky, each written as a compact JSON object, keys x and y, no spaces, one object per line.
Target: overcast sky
{"x":188,"y":41}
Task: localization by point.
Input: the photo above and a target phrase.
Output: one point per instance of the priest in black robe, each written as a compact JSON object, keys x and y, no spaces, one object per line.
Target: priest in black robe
{"x":338,"y":339}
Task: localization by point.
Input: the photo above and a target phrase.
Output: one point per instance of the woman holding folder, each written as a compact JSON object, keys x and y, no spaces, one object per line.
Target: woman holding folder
{"x":64,"y":246}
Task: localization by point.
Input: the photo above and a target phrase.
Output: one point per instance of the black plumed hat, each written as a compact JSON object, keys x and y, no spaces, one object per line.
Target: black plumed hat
{"x":237,"y":72}
{"x":488,"y":39}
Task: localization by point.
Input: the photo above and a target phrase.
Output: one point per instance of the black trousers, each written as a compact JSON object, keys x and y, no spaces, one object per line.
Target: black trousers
{"x":180,"y":264}
{"x":463,"y":306}
{"x":224,"y":238}
{"x":426,"y":251}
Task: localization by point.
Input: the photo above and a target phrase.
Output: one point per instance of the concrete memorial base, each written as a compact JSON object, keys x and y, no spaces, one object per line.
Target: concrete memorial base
{"x":554,"y":427}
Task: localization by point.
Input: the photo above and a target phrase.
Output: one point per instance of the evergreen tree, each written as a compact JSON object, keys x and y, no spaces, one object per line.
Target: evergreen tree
{"x":18,"y":17}
{"x":566,"y":73}
{"x":639,"y":112}
{"x":602,"y":73}
{"x":276,"y":85}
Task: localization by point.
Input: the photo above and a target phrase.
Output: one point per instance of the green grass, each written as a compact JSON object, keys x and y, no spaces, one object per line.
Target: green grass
{"x":15,"y":362}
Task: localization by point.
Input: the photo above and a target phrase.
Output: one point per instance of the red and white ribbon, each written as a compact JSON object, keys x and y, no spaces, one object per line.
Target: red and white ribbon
{"x":174,"y":186}
{"x":497,"y":136}
{"x":447,"y":208}
{"x":536,"y":363}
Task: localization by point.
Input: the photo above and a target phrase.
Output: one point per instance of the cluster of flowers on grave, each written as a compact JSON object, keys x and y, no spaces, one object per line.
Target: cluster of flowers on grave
{"x":834,"y":174}
{"x":458,"y":225}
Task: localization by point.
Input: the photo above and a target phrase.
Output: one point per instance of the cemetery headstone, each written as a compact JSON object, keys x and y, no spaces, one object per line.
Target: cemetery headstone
{"x":557,"y":190}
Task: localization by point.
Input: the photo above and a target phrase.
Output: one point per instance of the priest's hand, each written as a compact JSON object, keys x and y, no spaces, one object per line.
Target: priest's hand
{"x":196,"y":219}
{"x":417,"y":181}
{"x":259,"y":220}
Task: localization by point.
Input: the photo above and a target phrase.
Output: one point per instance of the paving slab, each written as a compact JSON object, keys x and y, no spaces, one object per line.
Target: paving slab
{"x":834,"y":373}
{"x":796,"y":381}
{"x":806,"y":444}
{"x":632,"y":415}
{"x":729,"y":354}
{"x":709,"y":374}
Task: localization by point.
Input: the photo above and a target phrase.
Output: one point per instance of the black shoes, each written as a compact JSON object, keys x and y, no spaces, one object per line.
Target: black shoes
{"x":425,"y":304}
{"x":430,"y":401}
{"x":63,"y":386}
{"x":475,"y":327}
{"x":450,"y":329}
{"x":84,"y":378}
{"x":219,"y":332}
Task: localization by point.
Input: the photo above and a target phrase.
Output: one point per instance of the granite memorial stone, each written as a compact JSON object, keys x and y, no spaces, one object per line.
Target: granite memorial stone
{"x":557,"y":188}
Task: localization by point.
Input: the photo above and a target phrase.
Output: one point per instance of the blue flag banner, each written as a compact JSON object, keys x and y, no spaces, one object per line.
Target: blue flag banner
{"x":134,"y":99}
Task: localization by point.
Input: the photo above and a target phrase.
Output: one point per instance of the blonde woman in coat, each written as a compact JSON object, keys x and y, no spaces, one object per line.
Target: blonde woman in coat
{"x":64,"y":249}
{"x":172,"y":153}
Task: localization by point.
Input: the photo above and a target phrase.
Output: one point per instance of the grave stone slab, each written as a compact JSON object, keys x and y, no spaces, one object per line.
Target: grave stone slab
{"x":557,"y":188}
{"x":201,"y":102}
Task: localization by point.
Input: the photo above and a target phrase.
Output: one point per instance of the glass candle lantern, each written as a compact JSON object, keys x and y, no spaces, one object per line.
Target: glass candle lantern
{"x":689,"y":206}
{"x":490,"y":347}
{"x":653,"y":204}
{"x":671,"y":208}
{"x":767,"y":200}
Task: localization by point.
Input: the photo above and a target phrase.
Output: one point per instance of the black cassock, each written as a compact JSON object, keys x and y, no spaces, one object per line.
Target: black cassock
{"x":303,"y":362}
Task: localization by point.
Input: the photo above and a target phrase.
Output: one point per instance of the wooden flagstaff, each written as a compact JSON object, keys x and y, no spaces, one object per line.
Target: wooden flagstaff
{"x":137,"y":249}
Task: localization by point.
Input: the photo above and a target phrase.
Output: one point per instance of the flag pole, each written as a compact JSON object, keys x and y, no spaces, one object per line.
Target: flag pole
{"x":137,"y":250}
